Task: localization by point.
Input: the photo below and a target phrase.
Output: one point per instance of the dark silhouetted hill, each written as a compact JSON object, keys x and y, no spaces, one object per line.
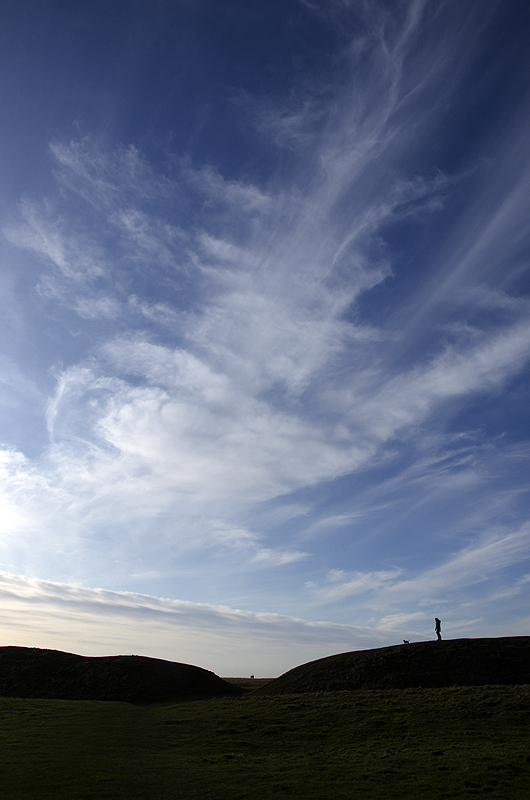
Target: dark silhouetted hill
{"x":456,"y":662}
{"x":31,"y":672}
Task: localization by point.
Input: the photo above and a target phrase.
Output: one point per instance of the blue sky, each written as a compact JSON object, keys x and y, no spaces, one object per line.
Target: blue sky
{"x":265,"y":326}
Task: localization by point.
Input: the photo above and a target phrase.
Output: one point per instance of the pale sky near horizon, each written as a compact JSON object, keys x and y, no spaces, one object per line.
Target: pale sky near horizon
{"x":265,"y":326}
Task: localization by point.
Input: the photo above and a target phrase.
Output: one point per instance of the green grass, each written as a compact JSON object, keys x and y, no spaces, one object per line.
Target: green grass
{"x":426,"y":743}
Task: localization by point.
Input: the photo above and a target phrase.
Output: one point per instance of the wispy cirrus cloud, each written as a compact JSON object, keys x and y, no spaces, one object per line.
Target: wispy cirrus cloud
{"x":211,"y":417}
{"x":395,"y":597}
{"x":243,"y":345}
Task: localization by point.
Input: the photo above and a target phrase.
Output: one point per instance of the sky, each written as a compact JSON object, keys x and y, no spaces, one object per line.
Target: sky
{"x":265,"y":326}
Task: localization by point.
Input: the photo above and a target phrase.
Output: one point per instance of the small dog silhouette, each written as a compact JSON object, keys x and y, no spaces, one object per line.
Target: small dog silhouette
{"x":406,"y":641}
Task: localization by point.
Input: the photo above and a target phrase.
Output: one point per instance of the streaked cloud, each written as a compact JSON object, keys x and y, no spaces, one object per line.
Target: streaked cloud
{"x":290,"y":374}
{"x":225,"y":640}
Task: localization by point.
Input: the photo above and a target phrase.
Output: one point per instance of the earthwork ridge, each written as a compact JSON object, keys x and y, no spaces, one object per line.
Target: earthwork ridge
{"x":34,"y":673}
{"x":31,"y":672}
{"x":455,"y":662}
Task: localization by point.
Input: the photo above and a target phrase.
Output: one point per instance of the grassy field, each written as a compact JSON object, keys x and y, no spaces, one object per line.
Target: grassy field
{"x":425,"y":743}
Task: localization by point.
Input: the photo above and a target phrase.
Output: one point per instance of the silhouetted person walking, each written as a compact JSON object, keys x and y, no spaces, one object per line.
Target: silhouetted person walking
{"x":438,"y":628}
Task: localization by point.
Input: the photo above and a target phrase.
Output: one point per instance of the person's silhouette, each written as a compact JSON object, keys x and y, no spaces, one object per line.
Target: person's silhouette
{"x":438,"y":628}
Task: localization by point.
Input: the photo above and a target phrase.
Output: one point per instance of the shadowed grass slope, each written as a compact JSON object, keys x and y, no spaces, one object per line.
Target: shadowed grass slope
{"x":433,"y":744}
{"x":457,"y":662}
{"x":31,"y":672}
{"x":465,"y":741}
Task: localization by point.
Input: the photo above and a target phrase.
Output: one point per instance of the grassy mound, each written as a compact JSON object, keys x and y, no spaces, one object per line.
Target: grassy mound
{"x":458,"y":662}
{"x":459,"y":743}
{"x":33,"y":673}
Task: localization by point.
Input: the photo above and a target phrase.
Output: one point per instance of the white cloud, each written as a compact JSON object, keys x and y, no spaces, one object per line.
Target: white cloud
{"x":143,"y":427}
{"x":108,"y":181}
{"x":408,"y":398}
{"x":391,"y":597}
{"x":227,"y":641}
{"x":474,"y":564}
{"x":341,"y":584}
{"x":92,"y":308}
{"x":245,"y":197}
{"x":74,"y":263}
{"x":243,"y":540}
{"x":229,"y":358}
